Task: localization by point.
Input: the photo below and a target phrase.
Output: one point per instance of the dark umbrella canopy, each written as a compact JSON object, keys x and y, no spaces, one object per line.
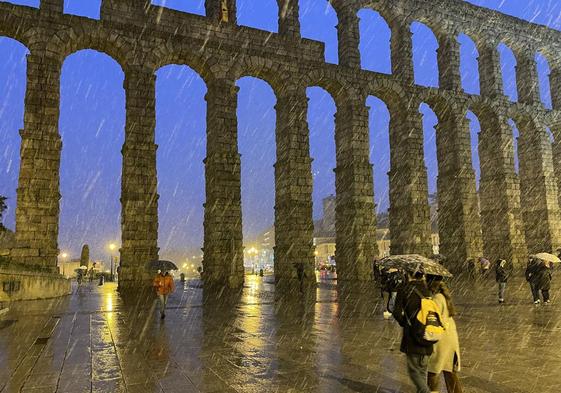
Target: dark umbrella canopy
{"x":414,"y":263}
{"x":162,"y":265}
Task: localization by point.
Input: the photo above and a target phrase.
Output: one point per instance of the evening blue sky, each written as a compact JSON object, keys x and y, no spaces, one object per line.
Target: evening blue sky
{"x":93,"y":115}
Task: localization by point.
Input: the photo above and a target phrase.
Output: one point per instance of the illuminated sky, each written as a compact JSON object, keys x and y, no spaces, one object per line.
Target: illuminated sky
{"x":92,"y":123}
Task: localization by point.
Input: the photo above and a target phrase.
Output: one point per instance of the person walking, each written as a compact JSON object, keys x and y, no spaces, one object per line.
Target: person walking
{"x":407,"y":304}
{"x":542,"y":282}
{"x":392,"y":279}
{"x":445,"y":358}
{"x":531,"y":274}
{"x":503,"y":271}
{"x":164,"y":286}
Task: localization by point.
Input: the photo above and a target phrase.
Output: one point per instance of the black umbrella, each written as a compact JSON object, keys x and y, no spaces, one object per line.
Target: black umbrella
{"x":162,"y":265}
{"x":413,"y":263}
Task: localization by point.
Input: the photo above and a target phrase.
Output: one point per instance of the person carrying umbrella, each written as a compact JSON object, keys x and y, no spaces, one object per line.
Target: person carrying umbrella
{"x":408,"y":303}
{"x":538,"y":274}
{"x":164,"y":286}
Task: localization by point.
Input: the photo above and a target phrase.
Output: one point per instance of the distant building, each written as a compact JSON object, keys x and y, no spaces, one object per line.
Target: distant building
{"x":324,"y":234}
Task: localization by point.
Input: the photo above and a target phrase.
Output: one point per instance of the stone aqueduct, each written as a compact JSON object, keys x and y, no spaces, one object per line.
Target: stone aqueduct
{"x":519,"y":214}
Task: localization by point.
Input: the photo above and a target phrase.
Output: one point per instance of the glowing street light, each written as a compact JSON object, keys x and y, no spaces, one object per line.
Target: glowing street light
{"x":112,"y":247}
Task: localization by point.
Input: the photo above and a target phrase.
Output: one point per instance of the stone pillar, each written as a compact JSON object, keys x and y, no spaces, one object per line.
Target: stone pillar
{"x":538,"y":188}
{"x":52,"y":5}
{"x":38,"y":194}
{"x":294,"y":225}
{"x":118,"y":10}
{"x":139,"y":187}
{"x":223,"y":242}
{"x":459,"y":224}
{"x":499,"y":192}
{"x":402,"y":50}
{"x":527,"y":79}
{"x":555,"y":85}
{"x":355,"y":218}
{"x":490,"y":76}
{"x":348,"y":33}
{"x":449,"y":63}
{"x":410,"y":227}
{"x":223,"y":11}
{"x":289,"y":22}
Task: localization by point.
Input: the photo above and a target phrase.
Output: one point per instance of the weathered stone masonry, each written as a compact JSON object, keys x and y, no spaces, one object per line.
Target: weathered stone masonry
{"x":518,"y":214}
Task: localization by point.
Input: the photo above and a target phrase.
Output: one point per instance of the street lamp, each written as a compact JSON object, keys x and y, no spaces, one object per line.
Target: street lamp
{"x":63,"y":256}
{"x":112,"y":247}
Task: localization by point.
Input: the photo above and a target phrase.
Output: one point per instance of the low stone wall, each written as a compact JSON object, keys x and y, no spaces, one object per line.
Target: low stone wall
{"x":16,"y":285}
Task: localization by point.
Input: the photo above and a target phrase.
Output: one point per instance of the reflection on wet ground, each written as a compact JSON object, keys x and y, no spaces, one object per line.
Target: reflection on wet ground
{"x":254,"y":341}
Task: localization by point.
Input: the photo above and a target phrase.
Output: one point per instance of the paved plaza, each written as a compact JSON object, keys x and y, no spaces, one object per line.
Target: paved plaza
{"x":94,"y":341}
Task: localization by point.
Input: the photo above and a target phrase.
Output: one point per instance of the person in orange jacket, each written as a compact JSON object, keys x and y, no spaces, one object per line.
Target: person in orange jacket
{"x":164,"y":286}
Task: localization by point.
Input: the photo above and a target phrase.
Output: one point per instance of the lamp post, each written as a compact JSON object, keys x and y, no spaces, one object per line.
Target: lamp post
{"x":63,"y":257}
{"x":112,"y":248}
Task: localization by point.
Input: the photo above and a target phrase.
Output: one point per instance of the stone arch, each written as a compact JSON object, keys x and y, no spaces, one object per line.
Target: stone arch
{"x":87,"y":122}
{"x":379,"y":138}
{"x":167,"y":54}
{"x":13,"y":85}
{"x":274,"y":74}
{"x":181,"y":137}
{"x":258,"y":146}
{"x":332,"y":82}
{"x":425,"y":46}
{"x":392,"y":94}
{"x":373,"y":26}
{"x":543,"y":73}
{"x":508,"y":70}
{"x":469,"y":64}
{"x":71,"y":40}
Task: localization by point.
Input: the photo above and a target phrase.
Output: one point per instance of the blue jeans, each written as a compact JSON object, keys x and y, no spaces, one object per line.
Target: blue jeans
{"x":417,"y":368}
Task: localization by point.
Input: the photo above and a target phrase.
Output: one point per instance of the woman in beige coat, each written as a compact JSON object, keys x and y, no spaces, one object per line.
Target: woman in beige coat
{"x":446,"y":355}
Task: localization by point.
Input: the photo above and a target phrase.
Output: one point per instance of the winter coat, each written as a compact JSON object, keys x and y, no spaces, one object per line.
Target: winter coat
{"x":542,"y":278}
{"x":446,"y":352}
{"x":164,"y":285}
{"x":531,"y":270}
{"x":407,"y":304}
{"x":503,"y":271}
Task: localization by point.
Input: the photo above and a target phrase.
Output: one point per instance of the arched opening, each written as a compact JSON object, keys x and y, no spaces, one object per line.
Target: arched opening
{"x":515,"y":135}
{"x":375,"y":36}
{"x":379,"y":121}
{"x":430,"y":121}
{"x":192,"y":7}
{"x":91,"y":124}
{"x":29,"y":3}
{"x":474,"y":130}
{"x":256,"y":144}
{"x":469,"y":65}
{"x":544,"y":83}
{"x":259,"y":14}
{"x":318,"y":21}
{"x":425,"y":62}
{"x":508,"y":70}
{"x":181,"y":140}
{"x":89,"y":9}
{"x":321,"y":123}
{"x":13,"y":80}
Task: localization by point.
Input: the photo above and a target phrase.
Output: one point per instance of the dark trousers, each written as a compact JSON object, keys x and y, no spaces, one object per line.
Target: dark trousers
{"x":536,"y":293}
{"x":417,"y":368}
{"x":450,"y":378}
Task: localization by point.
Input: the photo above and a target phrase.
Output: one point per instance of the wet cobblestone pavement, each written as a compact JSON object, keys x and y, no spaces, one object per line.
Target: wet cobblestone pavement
{"x":94,"y":341}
